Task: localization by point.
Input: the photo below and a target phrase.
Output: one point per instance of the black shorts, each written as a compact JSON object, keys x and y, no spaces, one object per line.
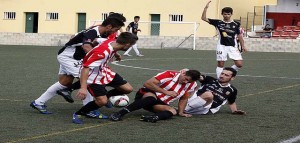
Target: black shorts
{"x":99,"y":90}
{"x":143,"y":91}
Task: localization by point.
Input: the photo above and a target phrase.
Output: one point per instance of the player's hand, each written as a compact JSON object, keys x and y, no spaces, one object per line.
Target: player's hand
{"x":82,"y":93}
{"x":207,"y":5}
{"x":172,"y":93}
{"x":184,"y":115}
{"x":118,"y":57}
{"x":244,"y":49}
{"x":239,"y":112}
{"x":139,"y":30}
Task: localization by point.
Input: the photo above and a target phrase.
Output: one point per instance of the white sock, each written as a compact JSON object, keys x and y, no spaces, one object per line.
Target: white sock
{"x":49,"y":93}
{"x":127,"y":52}
{"x":195,"y":103}
{"x":137,"y":52}
{"x":219,"y":71}
{"x":235,"y":67}
{"x":87,"y":99}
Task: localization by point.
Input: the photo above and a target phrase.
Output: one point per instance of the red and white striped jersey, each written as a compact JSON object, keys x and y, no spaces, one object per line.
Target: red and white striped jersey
{"x":97,"y":60}
{"x":169,"y":81}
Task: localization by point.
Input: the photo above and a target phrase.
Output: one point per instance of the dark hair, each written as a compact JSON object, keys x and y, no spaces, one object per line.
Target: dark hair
{"x":114,"y":22}
{"x":118,"y":16}
{"x":194,"y":74}
{"x":111,"y":13}
{"x":126,"y":37}
{"x":234,"y":72}
{"x":136,"y":17}
{"x":227,"y":10}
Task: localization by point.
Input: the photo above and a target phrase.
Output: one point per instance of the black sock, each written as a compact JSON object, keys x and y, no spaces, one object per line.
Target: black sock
{"x":75,"y":85}
{"x":138,"y":104}
{"x":91,"y":106}
{"x":164,"y":115}
{"x":114,"y":92}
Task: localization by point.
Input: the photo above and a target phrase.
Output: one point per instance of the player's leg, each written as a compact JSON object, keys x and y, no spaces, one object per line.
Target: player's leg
{"x":66,"y":92}
{"x":97,"y":91}
{"x":235,"y":54}
{"x":145,"y":98}
{"x":127,"y":52}
{"x":136,"y":50}
{"x":162,"y":112}
{"x":221,"y":54}
{"x":199,"y":104}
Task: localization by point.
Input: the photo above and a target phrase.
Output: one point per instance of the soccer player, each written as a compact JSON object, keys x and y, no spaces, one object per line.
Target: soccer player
{"x":228,"y":30}
{"x":133,"y":27}
{"x":214,"y":93}
{"x":70,"y":60}
{"x":96,"y":75}
{"x":159,"y":91}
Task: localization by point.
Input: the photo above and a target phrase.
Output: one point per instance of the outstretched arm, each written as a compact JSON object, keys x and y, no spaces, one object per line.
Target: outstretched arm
{"x":234,"y":109}
{"x":204,"y":12}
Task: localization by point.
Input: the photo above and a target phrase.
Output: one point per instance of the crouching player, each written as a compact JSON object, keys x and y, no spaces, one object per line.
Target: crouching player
{"x":213,"y":94}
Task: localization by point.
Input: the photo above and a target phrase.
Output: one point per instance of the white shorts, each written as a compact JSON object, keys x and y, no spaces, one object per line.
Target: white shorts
{"x":68,"y":65}
{"x":232,"y":52}
{"x":196,"y":111}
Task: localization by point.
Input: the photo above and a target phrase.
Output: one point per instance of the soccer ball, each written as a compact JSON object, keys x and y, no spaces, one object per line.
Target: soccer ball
{"x":119,"y":101}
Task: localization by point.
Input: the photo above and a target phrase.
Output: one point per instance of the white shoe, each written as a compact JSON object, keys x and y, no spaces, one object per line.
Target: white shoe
{"x":126,"y":55}
{"x":140,"y":55}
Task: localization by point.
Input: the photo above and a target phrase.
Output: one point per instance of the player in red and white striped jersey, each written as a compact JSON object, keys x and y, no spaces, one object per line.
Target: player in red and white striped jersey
{"x":159,"y":91}
{"x":96,"y":75}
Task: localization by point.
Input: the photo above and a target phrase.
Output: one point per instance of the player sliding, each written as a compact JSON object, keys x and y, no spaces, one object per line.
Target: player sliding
{"x":227,"y":44}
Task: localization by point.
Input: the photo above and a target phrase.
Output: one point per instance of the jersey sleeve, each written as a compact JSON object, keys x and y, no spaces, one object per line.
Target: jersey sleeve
{"x":238,"y":29}
{"x":130,"y":25}
{"x":89,"y":36}
{"x":93,"y":59}
{"x":233,"y":96}
{"x":193,"y":87}
{"x":213,"y":22}
{"x":207,"y":79}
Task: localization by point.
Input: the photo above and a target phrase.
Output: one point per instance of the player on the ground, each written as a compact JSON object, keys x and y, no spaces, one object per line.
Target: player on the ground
{"x":70,"y":59}
{"x":159,"y":91}
{"x":96,"y":75}
{"x":133,"y":27}
{"x":214,"y":93}
{"x":228,"y":30}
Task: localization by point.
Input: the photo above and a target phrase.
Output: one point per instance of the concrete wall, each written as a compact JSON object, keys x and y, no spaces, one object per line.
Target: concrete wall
{"x":155,"y":42}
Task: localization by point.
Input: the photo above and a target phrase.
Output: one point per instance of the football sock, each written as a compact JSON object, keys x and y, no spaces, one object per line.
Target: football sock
{"x":164,"y":115}
{"x":235,"y":67}
{"x":49,"y":93}
{"x":75,"y":85}
{"x":114,"y":92}
{"x":87,"y":99}
{"x":91,"y":106}
{"x":219,"y":71}
{"x":138,"y":104}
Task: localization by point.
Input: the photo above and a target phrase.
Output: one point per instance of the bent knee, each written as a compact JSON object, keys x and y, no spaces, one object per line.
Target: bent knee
{"x":173,"y":111}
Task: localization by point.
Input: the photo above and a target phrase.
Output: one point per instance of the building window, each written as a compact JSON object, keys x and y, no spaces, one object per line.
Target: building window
{"x":10,"y":15}
{"x":176,"y":18}
{"x":52,"y":16}
{"x":104,"y":15}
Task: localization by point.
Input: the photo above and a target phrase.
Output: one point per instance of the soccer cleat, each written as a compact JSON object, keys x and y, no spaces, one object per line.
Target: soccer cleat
{"x":127,"y":55}
{"x":151,"y":118}
{"x":76,"y":119}
{"x":66,"y":94}
{"x":109,"y":105}
{"x":96,"y":114}
{"x":140,"y":55}
{"x":41,"y":108}
{"x":116,"y":116}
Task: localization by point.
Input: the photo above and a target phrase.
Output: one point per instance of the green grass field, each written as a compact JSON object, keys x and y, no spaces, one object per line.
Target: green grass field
{"x":268,"y":85}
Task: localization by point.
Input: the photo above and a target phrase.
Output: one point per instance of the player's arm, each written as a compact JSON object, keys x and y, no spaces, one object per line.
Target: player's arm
{"x":240,"y":37}
{"x":181,"y":105}
{"x":153,"y":83}
{"x":234,"y":109}
{"x":118,"y":56}
{"x":203,"y":17}
{"x":82,"y":93}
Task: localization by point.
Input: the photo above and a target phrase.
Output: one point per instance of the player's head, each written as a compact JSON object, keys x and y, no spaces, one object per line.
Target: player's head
{"x":227,"y":13}
{"x":228,"y":74}
{"x":110,"y":13}
{"x":126,"y":39}
{"x":188,"y":76}
{"x":136,"y":18}
{"x":111,"y":25}
{"x":117,"y":15}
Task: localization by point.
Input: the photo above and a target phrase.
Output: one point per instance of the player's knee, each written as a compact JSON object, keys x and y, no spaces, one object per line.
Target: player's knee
{"x":101,"y":100}
{"x":173,"y":111}
{"x":128,"y":89}
{"x":207,"y":96}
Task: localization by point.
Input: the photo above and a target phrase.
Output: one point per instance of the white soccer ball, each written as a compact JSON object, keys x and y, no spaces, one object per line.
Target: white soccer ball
{"x":119,"y":101}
